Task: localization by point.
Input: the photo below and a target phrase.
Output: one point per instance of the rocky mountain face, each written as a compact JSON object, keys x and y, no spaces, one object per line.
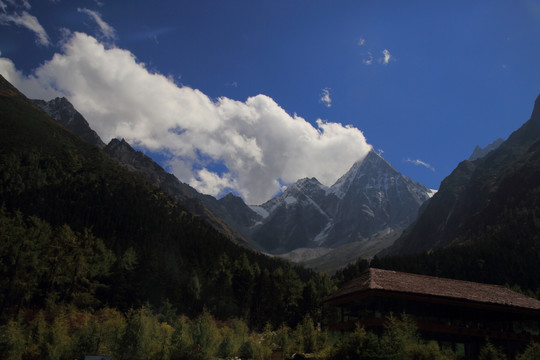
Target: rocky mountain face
{"x":480,"y":196}
{"x":374,"y":197}
{"x":371,"y":197}
{"x":63,"y":111}
{"x":295,"y":219}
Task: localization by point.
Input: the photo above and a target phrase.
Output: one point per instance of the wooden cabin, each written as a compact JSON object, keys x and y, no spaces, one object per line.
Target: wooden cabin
{"x":455,"y":313}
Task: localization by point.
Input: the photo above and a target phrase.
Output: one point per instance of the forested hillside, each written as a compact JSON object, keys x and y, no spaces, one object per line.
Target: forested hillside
{"x":79,"y":229}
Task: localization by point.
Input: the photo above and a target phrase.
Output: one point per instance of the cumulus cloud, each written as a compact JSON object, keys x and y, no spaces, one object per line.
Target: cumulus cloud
{"x":386,"y":56}
{"x":106,"y":30}
{"x":28,"y":21}
{"x":361,"y":42}
{"x":325,"y":97}
{"x":29,"y":85}
{"x":419,"y":162}
{"x":259,"y":146}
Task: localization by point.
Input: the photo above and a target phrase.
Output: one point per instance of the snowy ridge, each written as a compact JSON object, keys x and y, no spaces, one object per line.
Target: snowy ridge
{"x":291,"y":196}
{"x":341,"y":186}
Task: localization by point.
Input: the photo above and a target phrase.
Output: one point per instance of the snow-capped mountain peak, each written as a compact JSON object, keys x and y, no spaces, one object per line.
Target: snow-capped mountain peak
{"x":371,"y":197}
{"x":303,"y":189}
{"x":380,"y":172}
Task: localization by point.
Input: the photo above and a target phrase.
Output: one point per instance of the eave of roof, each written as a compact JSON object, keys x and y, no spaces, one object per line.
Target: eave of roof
{"x":422,"y":285}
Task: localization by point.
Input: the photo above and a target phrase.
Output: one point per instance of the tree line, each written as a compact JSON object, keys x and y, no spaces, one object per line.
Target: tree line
{"x":66,"y":332}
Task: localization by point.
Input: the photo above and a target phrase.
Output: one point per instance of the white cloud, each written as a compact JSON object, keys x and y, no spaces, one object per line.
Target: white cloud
{"x":368,"y":60}
{"x":107,"y":31}
{"x":325,"y":97}
{"x":361,"y":42}
{"x":208,"y":182}
{"x":28,"y":21}
{"x":259,"y":145}
{"x":29,"y":85}
{"x":419,"y":162}
{"x":386,"y":56}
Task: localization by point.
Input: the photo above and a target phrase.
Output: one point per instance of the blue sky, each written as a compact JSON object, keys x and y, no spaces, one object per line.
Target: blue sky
{"x":249,"y":96}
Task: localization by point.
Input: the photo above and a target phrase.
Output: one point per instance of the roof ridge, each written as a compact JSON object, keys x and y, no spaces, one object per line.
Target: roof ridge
{"x":445,"y":279}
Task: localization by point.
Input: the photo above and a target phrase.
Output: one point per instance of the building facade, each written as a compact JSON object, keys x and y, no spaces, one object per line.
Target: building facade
{"x":460,"y":314}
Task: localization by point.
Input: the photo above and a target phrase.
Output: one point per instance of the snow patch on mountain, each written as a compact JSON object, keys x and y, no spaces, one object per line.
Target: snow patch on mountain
{"x":342,"y":185}
{"x":323,"y":234}
{"x":289,"y":200}
{"x":260,"y":210}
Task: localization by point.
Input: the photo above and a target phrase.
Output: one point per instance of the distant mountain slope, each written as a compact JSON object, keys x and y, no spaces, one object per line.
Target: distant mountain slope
{"x":371,"y":197}
{"x":186,"y":196}
{"x":331,"y":260}
{"x":472,"y":199}
{"x":63,"y":111}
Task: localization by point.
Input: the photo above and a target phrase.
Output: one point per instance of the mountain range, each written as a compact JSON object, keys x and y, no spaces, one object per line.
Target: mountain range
{"x":481,"y":225}
{"x":367,"y":207}
{"x":372,"y":197}
{"x":370,"y":210}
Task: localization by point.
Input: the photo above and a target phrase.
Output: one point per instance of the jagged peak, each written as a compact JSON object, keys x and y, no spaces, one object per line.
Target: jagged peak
{"x":62,"y":100}
{"x":481,"y":152}
{"x":63,"y":111}
{"x":305,"y":185}
{"x":231,"y":197}
{"x":529,"y":132}
{"x":118,"y":142}
{"x":232,"y":200}
{"x":369,"y":163}
{"x":58,"y":103}
{"x":308,"y":181}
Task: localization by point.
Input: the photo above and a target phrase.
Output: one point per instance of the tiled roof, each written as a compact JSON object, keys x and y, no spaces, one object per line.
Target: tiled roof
{"x":413,"y":284}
